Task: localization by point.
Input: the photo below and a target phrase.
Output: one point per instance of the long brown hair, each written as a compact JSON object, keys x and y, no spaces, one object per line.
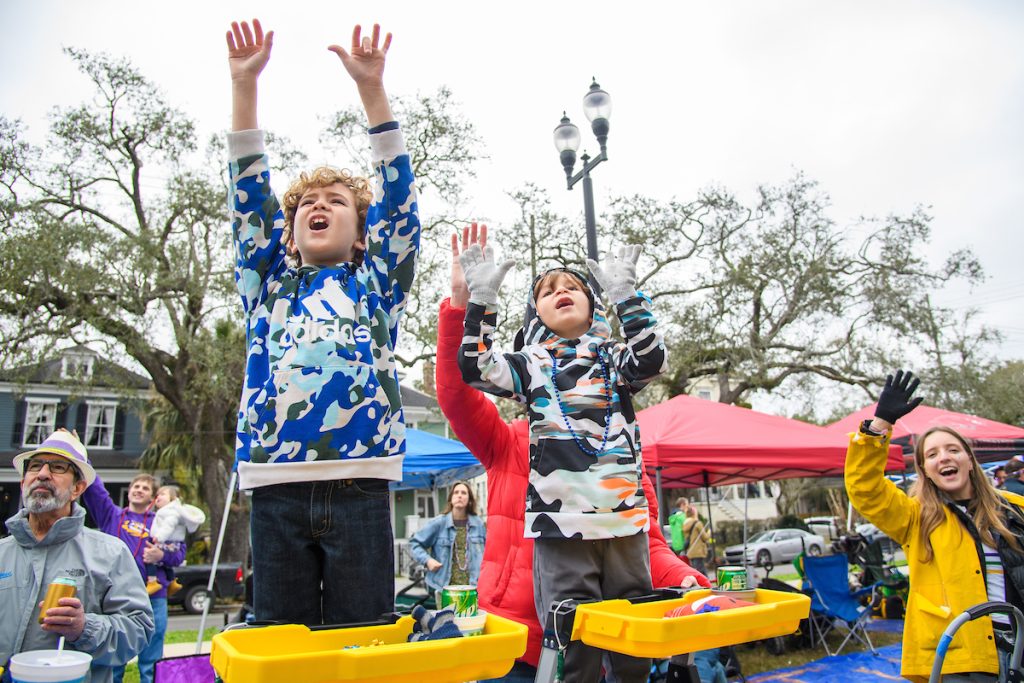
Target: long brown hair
{"x":985,"y":507}
{"x":470,"y":506}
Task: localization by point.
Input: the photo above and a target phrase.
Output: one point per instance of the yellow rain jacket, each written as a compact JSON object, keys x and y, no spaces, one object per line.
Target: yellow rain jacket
{"x":939,"y":589}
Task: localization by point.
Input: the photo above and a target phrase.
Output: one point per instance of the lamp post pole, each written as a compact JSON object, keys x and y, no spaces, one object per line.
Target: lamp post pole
{"x":597,"y":105}
{"x":588,"y":205}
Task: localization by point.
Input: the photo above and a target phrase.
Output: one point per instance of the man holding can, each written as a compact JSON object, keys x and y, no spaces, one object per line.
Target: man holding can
{"x":109,"y":618}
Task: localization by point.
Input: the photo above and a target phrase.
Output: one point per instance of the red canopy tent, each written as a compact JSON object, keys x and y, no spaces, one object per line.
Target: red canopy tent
{"x":691,"y":442}
{"x":991,"y":440}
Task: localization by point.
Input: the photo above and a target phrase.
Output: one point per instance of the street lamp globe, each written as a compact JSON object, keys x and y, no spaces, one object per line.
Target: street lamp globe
{"x":567,"y":141}
{"x":597,"y":105}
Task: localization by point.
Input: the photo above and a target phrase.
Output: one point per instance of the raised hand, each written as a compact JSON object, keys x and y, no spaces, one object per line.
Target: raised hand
{"x":483,"y":275}
{"x":470,"y":235}
{"x":896,"y":399}
{"x":365,"y":61}
{"x":248,"y":49}
{"x":617,"y":276}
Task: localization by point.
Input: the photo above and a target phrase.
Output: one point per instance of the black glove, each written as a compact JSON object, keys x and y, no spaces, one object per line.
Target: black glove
{"x":895,"y":400}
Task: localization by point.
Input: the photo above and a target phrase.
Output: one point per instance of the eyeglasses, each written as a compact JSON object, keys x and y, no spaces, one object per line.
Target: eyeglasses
{"x":56,"y":466}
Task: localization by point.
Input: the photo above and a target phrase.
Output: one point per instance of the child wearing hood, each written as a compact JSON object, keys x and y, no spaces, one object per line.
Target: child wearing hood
{"x":585,"y":506}
{"x":173,"y":521}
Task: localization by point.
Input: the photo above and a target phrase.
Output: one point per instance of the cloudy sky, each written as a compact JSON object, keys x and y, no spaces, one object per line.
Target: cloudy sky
{"x":887,"y":104}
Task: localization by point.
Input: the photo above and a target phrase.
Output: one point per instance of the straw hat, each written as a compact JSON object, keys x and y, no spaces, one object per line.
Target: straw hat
{"x":66,"y":445}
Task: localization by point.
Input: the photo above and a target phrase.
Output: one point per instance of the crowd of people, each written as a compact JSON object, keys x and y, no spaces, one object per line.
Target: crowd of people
{"x":324,"y":275}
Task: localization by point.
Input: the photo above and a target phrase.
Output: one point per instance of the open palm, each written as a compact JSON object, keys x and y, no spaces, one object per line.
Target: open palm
{"x":248,"y":49}
{"x":365,"y":60}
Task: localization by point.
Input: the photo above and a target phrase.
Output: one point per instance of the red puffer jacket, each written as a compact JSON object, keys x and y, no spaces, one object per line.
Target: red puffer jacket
{"x":506,"y":576}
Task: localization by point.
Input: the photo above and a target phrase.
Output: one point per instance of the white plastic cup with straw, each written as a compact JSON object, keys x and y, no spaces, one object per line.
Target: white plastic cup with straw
{"x":50,"y":666}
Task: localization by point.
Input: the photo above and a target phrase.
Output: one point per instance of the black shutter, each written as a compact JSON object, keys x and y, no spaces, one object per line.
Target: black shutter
{"x":62,"y":416}
{"x":81,"y":414}
{"x":119,"y":429}
{"x":20,"y":415}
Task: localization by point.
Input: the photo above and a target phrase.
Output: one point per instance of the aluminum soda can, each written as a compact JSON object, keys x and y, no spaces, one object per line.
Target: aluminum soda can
{"x":462,"y":600}
{"x":61,"y":587}
{"x":732,"y":579}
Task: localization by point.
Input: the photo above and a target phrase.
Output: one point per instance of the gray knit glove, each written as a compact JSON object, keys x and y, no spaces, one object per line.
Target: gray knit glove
{"x":617,"y":277}
{"x":483,"y":276}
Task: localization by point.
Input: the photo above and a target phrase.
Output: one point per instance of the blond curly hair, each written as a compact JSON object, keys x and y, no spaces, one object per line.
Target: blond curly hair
{"x":322,"y":177}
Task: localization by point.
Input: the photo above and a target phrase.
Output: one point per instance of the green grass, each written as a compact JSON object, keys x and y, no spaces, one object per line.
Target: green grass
{"x":190,"y":636}
{"x":131,"y":674}
{"x":754,"y":657}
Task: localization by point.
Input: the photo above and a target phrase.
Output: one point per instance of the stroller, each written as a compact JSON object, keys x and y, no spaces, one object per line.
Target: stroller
{"x":1011,"y":672}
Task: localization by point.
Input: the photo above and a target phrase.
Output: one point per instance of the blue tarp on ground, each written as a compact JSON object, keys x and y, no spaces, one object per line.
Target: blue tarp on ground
{"x":432,"y":461}
{"x":860,"y":667}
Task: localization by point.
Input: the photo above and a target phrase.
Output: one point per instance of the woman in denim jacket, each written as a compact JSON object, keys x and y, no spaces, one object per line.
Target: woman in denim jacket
{"x":452,"y":544}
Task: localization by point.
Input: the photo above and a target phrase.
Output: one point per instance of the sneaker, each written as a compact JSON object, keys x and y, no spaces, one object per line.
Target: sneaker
{"x":153,"y":586}
{"x":173,"y":587}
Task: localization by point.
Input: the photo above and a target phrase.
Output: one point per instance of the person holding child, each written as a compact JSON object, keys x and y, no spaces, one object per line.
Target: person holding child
{"x":586,"y":509}
{"x":963,"y":538}
{"x":323,"y":281}
{"x":172,"y":522}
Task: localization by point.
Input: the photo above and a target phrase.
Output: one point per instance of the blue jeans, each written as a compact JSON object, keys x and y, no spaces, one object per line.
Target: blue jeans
{"x":322,"y":552}
{"x":154,"y":649}
{"x":521,"y":673}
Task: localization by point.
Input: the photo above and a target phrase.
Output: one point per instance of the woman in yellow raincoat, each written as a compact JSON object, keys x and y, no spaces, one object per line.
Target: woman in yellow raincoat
{"x":961,"y":536}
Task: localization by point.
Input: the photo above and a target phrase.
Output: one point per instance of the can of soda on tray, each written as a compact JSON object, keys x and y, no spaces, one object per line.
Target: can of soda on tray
{"x":732,"y":579}
{"x":61,"y":587}
{"x":461,"y":599}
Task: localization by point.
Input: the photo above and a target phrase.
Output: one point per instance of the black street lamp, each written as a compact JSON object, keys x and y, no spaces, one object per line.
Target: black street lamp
{"x":597,"y":105}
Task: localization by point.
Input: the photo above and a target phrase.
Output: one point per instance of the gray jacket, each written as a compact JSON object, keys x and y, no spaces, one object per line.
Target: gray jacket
{"x":118,"y":616}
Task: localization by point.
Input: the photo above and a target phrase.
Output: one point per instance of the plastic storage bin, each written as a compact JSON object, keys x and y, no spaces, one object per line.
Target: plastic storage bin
{"x":642,"y":630}
{"x":292,"y":652}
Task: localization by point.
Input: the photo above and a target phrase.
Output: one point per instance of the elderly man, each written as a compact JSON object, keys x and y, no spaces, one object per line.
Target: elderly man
{"x":131,"y":524}
{"x":110,"y":617}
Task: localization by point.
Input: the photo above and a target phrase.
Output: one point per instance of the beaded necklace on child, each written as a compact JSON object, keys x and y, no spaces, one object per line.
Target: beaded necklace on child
{"x":607,"y":410}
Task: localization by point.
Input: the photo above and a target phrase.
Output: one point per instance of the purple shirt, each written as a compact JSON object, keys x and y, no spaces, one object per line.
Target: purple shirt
{"x":132,"y":528}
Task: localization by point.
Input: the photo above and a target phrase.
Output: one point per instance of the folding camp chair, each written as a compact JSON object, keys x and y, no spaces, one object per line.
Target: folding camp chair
{"x":828,"y":580}
{"x":187,"y":669}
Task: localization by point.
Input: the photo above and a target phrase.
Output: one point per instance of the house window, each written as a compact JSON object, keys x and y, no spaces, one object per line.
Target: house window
{"x":76,"y":367}
{"x":425,"y":508}
{"x":40,"y":421}
{"x":704,"y":394}
{"x":99,"y":425}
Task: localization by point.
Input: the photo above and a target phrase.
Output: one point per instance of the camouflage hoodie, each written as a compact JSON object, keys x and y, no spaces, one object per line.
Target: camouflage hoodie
{"x":573,"y":493}
{"x":321,"y":398}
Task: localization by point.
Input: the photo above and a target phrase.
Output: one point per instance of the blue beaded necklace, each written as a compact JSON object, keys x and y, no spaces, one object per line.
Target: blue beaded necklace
{"x":608,"y":405}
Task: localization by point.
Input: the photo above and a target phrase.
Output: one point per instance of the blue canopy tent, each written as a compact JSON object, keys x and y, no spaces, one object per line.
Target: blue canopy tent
{"x":432,"y":461}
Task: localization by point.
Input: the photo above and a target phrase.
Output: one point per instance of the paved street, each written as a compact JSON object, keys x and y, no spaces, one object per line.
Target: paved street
{"x":179,"y":620}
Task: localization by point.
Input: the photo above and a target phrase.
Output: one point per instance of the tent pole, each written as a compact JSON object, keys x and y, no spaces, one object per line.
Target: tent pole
{"x":711,"y":522}
{"x":746,"y":515}
{"x":661,"y":496}
{"x":216,"y":559}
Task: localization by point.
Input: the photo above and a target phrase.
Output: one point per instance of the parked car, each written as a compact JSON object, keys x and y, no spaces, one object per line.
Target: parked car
{"x":826,"y":527}
{"x":775,"y":547}
{"x":194,"y":578}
